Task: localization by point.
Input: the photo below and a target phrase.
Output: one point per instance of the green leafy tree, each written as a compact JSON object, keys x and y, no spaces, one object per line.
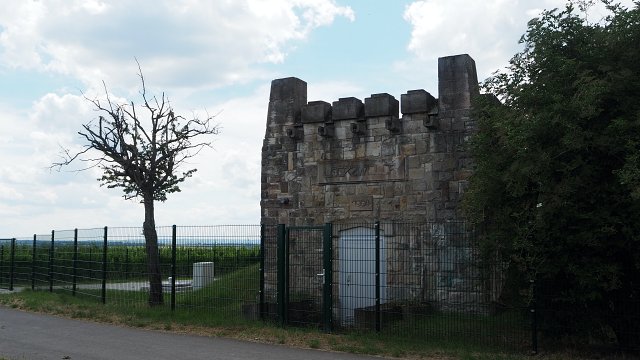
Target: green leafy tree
{"x":141,"y":149}
{"x":556,"y":184}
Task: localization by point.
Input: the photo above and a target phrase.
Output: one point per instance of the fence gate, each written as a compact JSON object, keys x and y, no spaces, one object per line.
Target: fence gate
{"x":305,"y":275}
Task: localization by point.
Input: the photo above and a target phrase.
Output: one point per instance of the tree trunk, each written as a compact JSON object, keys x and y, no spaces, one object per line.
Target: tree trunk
{"x":153,"y":255}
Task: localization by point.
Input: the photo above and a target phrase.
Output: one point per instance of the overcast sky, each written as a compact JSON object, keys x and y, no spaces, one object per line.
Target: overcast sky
{"x":215,"y":57}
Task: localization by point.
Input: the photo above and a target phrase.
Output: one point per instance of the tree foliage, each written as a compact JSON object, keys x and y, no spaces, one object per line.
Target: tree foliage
{"x":141,"y":149}
{"x":558,"y":167}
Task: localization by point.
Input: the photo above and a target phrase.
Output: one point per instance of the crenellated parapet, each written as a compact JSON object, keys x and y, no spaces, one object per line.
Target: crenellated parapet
{"x":376,"y":158}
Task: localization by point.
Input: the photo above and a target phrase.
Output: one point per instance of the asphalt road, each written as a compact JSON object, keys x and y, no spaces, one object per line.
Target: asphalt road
{"x":34,"y":336}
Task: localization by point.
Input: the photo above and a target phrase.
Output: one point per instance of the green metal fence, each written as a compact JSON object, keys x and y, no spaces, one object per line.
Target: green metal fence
{"x":411,"y":280}
{"x":207,"y":268}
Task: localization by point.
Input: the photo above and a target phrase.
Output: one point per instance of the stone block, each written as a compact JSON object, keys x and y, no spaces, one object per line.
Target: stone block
{"x":348,"y":154}
{"x":416,"y":173}
{"x":316,"y":112}
{"x":379,"y":133}
{"x":416,"y":161}
{"x":418,"y":185}
{"x":422,"y":147}
{"x":348,"y":108}
{"x":360,"y":150}
{"x":413,"y":123}
{"x":408,"y":149}
{"x":388,"y":148}
{"x":360,"y":203}
{"x":373,"y":149}
{"x":341,"y":132}
{"x":381,"y":105}
{"x":374,"y":190}
{"x":457,"y":82}
{"x":417,"y":101}
{"x":287,"y":97}
{"x":457,"y":124}
{"x":389,"y":190}
{"x":376,"y":123}
{"x":444,"y":123}
{"x":287,"y":88}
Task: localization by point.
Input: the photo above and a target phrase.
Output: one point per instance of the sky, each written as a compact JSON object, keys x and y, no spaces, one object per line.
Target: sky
{"x":210,"y":58}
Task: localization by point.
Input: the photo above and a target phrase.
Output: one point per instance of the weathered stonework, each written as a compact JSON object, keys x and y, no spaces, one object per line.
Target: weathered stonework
{"x":398,"y":162}
{"x":356,"y":161}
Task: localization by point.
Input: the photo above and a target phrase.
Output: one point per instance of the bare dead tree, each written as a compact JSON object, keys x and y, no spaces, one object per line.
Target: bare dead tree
{"x":144,"y":157}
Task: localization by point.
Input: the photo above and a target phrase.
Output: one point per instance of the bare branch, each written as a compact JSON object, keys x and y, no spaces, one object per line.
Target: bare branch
{"x":142,"y":160}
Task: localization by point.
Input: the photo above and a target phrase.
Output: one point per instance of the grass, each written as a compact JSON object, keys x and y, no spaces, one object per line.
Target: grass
{"x":216,"y":311}
{"x":206,"y":323}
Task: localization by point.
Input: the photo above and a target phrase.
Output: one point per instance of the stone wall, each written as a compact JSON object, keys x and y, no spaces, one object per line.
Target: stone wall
{"x":354,"y":160}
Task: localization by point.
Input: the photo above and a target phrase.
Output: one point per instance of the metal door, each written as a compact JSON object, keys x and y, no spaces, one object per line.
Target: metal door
{"x":358,"y":272}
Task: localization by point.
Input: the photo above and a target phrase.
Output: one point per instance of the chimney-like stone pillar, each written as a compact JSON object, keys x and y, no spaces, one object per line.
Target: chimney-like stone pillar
{"x":457,"y":82}
{"x":287,"y":97}
{"x":279,"y":149}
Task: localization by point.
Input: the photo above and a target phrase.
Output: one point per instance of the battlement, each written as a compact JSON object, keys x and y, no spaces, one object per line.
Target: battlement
{"x":378,"y":158}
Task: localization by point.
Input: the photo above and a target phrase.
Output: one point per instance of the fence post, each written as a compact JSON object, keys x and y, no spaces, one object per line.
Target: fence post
{"x":173,"y":268}
{"x":13,"y":264}
{"x":377,"y":269}
{"x":75,"y":262}
{"x":327,"y":264}
{"x":51,"y":254}
{"x":534,"y":318}
{"x":126,"y":263}
{"x":104,"y":267}
{"x":1,"y":262}
{"x":282,"y":277}
{"x":33,"y":263}
{"x":262,"y":242}
{"x":91,"y":262}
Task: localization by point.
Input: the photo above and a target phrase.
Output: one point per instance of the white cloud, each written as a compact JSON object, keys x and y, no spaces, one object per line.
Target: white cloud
{"x":487,"y":30}
{"x":10,"y":193}
{"x":195,"y":42}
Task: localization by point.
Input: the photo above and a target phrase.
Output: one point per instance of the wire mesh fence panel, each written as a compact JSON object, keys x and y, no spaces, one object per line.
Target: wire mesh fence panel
{"x":419,"y":280}
{"x":270,"y":271}
{"x":62,"y":265}
{"x":22,"y":264}
{"x":127,"y":270}
{"x":78,"y":257}
{"x":40,"y":275}
{"x":5,"y":263}
{"x":305,"y":276}
{"x":217,"y":269}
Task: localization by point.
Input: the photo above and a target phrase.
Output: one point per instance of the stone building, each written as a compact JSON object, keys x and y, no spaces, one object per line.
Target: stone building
{"x":353,"y":162}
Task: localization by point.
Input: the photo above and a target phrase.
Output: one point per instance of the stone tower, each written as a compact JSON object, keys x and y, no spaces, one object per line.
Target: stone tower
{"x":377,"y":159}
